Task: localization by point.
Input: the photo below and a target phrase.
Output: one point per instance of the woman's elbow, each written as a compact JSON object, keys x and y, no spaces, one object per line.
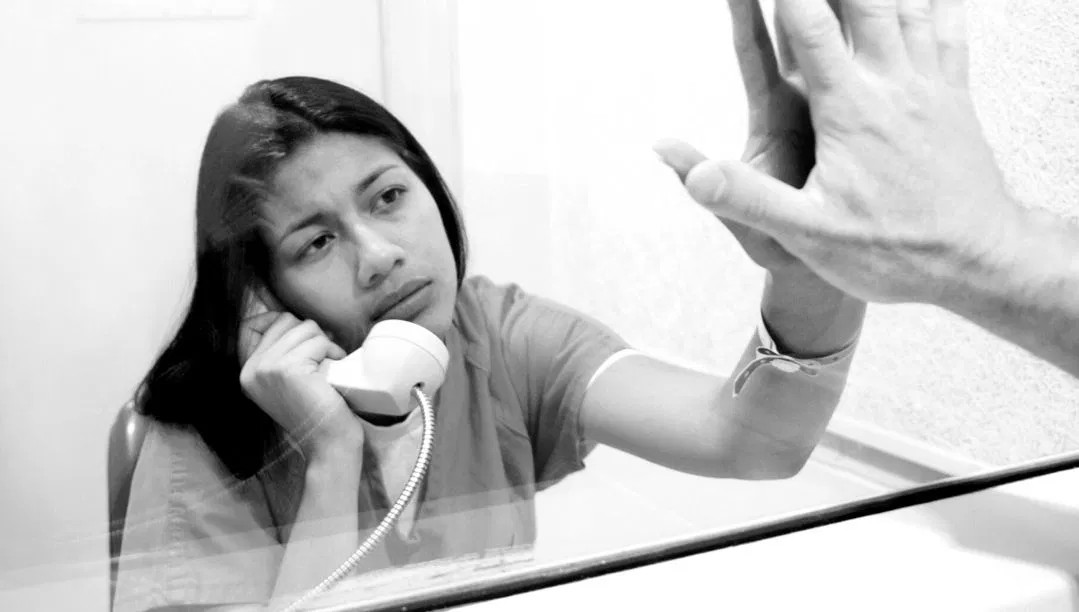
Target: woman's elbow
{"x":767,"y":466}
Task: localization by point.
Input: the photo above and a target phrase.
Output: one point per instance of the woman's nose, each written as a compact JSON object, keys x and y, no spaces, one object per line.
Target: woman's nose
{"x":377,"y":256}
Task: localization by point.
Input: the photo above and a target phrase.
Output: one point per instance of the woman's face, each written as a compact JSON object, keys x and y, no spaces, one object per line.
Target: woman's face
{"x":355,"y":237}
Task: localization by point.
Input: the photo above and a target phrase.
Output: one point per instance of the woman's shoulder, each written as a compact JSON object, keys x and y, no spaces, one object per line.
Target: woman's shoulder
{"x":177,"y":472}
{"x":185,"y":513}
{"x":481,"y":305}
{"x":170,"y":447}
{"x":179,"y":455}
{"x":484,"y":317}
{"x":481,"y":292}
{"x":165,"y":439}
{"x":507,"y":306}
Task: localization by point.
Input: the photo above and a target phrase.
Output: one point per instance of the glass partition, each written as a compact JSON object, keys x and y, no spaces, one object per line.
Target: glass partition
{"x":136,"y":236}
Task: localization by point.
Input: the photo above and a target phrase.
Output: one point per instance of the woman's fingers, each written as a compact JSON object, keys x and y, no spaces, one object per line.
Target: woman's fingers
{"x":317,"y":348}
{"x":738,"y":192}
{"x":252,"y":330}
{"x":258,"y":300}
{"x":735,"y":191}
{"x":283,"y":345}
{"x":266,"y":338}
{"x":680,"y":156}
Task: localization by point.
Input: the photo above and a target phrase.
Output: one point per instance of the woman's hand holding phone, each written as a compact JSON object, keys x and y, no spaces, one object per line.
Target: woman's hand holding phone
{"x":282,"y":359}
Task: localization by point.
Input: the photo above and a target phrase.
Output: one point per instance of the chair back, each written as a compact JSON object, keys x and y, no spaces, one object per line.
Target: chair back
{"x":125,"y":442}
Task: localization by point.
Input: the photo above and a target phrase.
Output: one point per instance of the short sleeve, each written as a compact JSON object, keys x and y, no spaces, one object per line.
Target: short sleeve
{"x":552,"y":352}
{"x":194,"y":535}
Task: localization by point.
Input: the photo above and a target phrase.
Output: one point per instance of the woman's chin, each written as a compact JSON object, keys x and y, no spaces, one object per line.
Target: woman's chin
{"x":437,"y":316}
{"x":438,"y":323}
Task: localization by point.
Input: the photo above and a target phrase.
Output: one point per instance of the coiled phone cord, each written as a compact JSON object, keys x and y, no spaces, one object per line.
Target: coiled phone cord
{"x":423,"y":460}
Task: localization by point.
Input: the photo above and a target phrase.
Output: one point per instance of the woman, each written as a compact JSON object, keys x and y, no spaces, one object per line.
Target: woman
{"x":315,"y":199}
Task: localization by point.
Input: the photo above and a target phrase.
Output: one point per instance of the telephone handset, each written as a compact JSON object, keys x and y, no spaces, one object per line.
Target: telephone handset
{"x":398,"y":362}
{"x":378,"y":377}
{"x":395,"y":357}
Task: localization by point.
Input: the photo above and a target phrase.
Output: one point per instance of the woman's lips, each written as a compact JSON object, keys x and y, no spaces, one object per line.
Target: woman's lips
{"x":407,"y":306}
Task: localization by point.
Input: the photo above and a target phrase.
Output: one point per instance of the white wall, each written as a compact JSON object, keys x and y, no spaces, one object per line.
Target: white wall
{"x":503,"y":122}
{"x":103,"y":124}
{"x":560,"y":102}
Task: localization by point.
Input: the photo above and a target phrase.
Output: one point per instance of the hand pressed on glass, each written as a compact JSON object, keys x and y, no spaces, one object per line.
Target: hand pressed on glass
{"x":905,"y":202}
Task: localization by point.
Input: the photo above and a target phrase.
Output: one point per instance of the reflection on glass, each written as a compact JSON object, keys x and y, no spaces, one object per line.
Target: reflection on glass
{"x":617,"y":339}
{"x":318,"y":215}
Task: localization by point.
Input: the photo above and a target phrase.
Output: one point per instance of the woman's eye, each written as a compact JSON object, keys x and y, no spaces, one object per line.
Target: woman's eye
{"x":390,"y":197}
{"x":316,"y":245}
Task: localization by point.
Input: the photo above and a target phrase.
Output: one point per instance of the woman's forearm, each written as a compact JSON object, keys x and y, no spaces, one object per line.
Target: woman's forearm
{"x":1027,"y":290}
{"x":325,"y":532}
{"x":780,"y":416}
{"x":807,"y":317}
{"x":783,"y":415}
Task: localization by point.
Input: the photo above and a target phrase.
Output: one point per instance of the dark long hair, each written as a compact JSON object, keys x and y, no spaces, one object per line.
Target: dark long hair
{"x":195,"y":380}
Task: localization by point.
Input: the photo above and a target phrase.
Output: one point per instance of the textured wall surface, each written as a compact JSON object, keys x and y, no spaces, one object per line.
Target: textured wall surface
{"x":629,"y":247}
{"x":925,"y":373}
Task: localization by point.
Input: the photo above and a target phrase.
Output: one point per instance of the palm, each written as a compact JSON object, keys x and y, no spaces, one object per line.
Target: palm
{"x":781,"y":145}
{"x":780,"y":141}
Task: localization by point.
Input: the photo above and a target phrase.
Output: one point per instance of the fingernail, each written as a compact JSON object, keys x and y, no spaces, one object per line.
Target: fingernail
{"x":664,"y":146}
{"x":680,"y":156}
{"x":672,"y":160}
{"x":661,"y":153}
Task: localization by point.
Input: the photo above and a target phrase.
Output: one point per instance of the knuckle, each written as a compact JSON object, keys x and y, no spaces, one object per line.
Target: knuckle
{"x":259,"y":372}
{"x":818,"y":33}
{"x":916,"y":99}
{"x":756,"y":207}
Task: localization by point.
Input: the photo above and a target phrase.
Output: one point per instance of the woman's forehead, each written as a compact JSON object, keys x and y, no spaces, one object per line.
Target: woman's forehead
{"x":330,"y":159}
{"x":323,"y":171}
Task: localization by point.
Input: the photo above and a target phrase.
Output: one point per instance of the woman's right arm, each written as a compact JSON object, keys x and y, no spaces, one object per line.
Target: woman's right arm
{"x":325,"y":532}
{"x":283,"y":360}
{"x":212,"y":544}
{"x":282,"y":372}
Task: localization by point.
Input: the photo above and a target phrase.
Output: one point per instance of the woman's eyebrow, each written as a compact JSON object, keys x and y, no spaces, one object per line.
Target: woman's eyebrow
{"x":309,"y":220}
{"x":373,"y":176}
{"x":321,"y":217}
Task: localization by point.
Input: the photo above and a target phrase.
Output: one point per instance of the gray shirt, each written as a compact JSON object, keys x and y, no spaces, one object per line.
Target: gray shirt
{"x":506,"y":426}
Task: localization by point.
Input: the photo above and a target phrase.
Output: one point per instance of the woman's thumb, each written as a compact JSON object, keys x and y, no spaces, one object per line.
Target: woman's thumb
{"x":734,"y":190}
{"x":739,"y":192}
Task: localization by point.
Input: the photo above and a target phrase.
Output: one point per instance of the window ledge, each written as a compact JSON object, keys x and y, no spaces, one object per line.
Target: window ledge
{"x":1015,"y":547}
